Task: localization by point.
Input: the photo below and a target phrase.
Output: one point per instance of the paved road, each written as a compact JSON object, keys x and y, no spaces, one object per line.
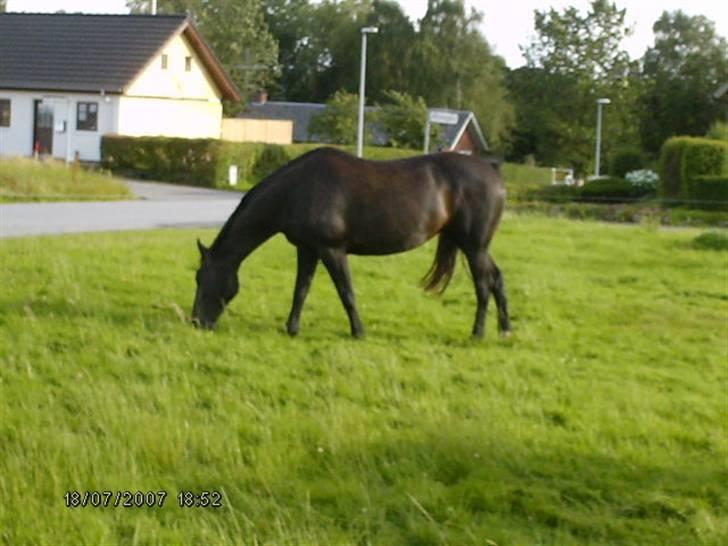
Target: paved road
{"x":160,"y":206}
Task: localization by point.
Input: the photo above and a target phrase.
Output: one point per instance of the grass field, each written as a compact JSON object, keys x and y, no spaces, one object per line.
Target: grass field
{"x":23,"y":179}
{"x":602,"y":421}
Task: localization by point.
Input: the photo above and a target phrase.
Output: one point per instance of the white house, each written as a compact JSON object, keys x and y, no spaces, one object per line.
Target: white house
{"x":66,"y":80}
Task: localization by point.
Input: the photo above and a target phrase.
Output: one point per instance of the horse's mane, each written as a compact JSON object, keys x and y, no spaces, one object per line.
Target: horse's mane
{"x":255,"y":190}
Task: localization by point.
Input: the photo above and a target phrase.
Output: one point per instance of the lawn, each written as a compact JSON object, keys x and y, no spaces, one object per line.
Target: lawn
{"x":23,"y":179}
{"x":602,"y":421}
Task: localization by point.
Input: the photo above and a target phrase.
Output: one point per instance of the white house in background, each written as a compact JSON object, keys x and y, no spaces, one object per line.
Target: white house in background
{"x":67,"y":80}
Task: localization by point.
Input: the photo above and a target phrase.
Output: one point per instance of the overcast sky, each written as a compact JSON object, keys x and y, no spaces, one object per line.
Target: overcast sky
{"x":506,"y":24}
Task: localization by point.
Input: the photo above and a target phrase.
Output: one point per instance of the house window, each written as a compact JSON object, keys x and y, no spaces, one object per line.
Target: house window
{"x":164,"y":62}
{"x":4,"y":112}
{"x":188,"y":63}
{"x":87,"y":116}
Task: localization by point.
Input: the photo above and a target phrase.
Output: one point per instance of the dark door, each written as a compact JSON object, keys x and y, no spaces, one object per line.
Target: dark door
{"x":43,"y":128}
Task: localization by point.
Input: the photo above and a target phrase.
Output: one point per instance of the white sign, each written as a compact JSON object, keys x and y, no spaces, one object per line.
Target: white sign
{"x":446,"y":118}
{"x":233,"y":174}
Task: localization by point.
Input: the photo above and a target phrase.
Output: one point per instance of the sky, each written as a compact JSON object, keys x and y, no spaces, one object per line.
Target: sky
{"x":506,"y":24}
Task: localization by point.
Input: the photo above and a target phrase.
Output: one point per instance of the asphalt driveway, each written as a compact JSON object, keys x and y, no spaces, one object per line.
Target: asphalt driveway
{"x":159,"y":206}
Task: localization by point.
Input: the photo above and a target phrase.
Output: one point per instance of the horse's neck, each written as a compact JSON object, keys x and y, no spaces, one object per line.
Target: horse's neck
{"x":248,"y":228}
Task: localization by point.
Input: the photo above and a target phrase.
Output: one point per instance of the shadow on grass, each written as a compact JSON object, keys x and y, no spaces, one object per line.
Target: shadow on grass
{"x":452,"y":486}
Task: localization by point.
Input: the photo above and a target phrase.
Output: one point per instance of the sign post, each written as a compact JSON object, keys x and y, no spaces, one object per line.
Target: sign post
{"x":443,"y":117}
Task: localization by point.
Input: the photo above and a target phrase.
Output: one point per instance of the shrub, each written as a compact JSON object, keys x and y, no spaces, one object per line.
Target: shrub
{"x":644,"y":179}
{"x":205,"y":162}
{"x":711,"y":240}
{"x":684,"y":160}
{"x":626,"y":160}
{"x":338,"y":122}
{"x":271,"y":158}
{"x":613,"y":190}
{"x":710,"y":192}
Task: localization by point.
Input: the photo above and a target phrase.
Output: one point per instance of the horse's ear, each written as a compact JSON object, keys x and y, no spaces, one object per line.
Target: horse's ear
{"x":202,"y":249}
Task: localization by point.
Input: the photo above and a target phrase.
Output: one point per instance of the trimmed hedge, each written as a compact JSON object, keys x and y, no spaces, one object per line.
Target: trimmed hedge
{"x":198,"y":162}
{"x":685,"y":161}
{"x":710,"y":191}
{"x":205,"y":162}
{"x":605,"y":190}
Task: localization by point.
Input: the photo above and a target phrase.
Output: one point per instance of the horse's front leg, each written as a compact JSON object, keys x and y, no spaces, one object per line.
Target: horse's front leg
{"x":337,"y":264}
{"x":307,"y":261}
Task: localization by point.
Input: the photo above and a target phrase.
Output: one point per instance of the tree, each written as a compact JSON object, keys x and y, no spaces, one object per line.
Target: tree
{"x":338,"y":122}
{"x":682,"y":71}
{"x":404,"y":119}
{"x":454,"y":67}
{"x":573,"y":60}
{"x":236,"y":31}
{"x":2,"y":6}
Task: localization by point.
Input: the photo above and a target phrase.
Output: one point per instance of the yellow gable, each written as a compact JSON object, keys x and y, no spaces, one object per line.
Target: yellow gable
{"x":176,"y":72}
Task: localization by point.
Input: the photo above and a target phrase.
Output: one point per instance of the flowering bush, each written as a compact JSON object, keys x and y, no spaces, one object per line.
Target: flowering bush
{"x":644,"y":179}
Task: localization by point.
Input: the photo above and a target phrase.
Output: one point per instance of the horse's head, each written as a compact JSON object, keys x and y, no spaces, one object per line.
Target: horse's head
{"x":216,"y":286}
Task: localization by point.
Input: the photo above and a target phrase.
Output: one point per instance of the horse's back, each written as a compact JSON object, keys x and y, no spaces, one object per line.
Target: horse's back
{"x":382,"y":207}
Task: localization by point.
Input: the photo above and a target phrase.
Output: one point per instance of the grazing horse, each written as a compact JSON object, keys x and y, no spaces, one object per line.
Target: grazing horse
{"x":329,"y":204}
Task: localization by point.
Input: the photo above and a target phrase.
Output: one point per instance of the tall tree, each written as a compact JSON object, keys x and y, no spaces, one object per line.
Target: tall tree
{"x":2,"y":6}
{"x":236,"y":31}
{"x":454,"y":67}
{"x":683,"y":69}
{"x":574,"y":59}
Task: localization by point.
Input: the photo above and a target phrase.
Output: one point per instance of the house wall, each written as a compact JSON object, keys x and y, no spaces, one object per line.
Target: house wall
{"x":269,"y":131}
{"x":466,"y":144}
{"x":172,"y":101}
{"x":17,"y":140}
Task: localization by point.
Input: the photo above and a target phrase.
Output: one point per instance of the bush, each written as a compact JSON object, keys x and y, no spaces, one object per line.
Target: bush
{"x":205,"y":162}
{"x":626,"y":160}
{"x":643,"y":178}
{"x":711,"y":240}
{"x":271,"y":158}
{"x":684,"y":160}
{"x":197,"y":162}
{"x":614,"y":190}
{"x":710,"y":192}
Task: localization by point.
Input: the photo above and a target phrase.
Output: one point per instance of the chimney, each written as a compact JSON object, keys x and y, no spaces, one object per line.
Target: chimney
{"x":261,"y":97}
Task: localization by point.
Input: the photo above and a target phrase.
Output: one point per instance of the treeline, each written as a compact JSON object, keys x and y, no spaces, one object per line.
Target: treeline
{"x":545,"y":111}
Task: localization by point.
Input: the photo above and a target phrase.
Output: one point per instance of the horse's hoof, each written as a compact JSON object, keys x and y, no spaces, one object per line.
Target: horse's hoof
{"x":506,"y":334}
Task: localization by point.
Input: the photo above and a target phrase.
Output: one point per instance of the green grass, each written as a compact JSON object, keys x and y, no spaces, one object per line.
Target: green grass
{"x":24,"y":179}
{"x":601,"y":422}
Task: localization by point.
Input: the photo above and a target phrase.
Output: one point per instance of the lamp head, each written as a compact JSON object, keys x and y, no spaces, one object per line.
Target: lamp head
{"x":369,"y":30}
{"x":603,"y":101}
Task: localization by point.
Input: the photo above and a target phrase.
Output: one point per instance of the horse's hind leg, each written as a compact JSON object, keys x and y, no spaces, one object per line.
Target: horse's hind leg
{"x":487,"y":278}
{"x":307,"y":260}
{"x":479,"y":262}
{"x":498,"y":288}
{"x":337,"y":264}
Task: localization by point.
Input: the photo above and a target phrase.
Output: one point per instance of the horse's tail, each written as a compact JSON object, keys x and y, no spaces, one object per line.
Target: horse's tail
{"x":443,"y":266}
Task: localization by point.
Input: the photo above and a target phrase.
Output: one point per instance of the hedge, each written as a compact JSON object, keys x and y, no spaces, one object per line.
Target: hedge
{"x":710,"y":191}
{"x":205,"y":162}
{"x":198,"y":162}
{"x":605,"y":190}
{"x":685,"y":161}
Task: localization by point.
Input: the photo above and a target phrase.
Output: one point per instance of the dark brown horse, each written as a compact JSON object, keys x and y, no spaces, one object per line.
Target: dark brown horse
{"x":329,"y":204}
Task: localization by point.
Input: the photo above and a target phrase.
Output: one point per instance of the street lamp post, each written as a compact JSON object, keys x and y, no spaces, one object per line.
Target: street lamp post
{"x":600,"y":103}
{"x":362,"y":79}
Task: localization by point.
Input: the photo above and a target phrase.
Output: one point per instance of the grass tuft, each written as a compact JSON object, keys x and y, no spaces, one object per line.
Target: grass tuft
{"x":24,"y":179}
